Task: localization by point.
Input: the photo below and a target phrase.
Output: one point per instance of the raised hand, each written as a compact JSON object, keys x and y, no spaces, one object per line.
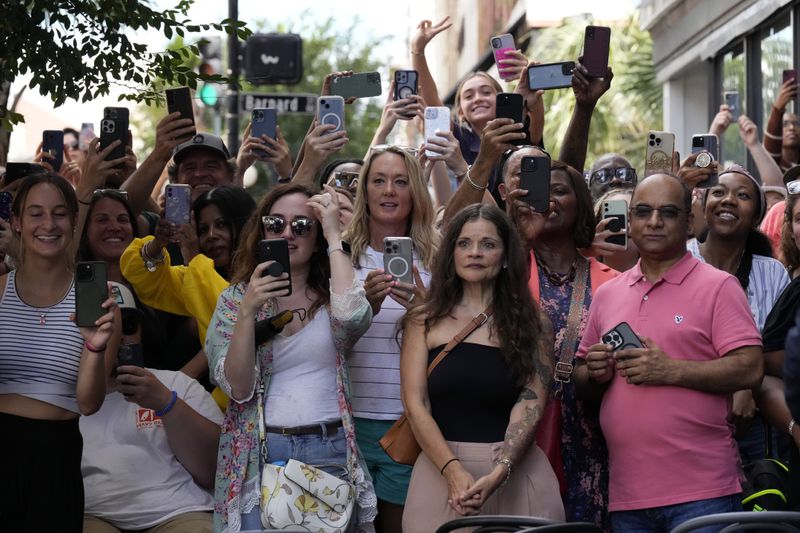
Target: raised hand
{"x":426,"y":31}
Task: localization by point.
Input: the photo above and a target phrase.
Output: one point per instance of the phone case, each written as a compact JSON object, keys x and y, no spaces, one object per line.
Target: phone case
{"x":658,"y":158}
{"x":180,"y":100}
{"x":330,"y":110}
{"x":15,"y":171}
{"x":360,"y":85}
{"x":344,"y":178}
{"x":436,"y":118}
{"x":596,"y":42}
{"x":86,"y":135}
{"x":707,"y":142}
{"x":130,"y":354}
{"x":113,"y":127}
{"x":405,"y":83}
{"x":178,"y":204}
{"x":6,"y":199}
{"x":91,"y":290}
{"x":500,"y":45}
{"x":264,"y":123}
{"x":789,"y":74}
{"x":732,"y":101}
{"x":509,"y":105}
{"x":53,"y":142}
{"x":535,"y":177}
{"x":275,"y":250}
{"x":398,"y":258}
{"x":617,"y":211}
{"x":622,"y":337}
{"x":551,"y":75}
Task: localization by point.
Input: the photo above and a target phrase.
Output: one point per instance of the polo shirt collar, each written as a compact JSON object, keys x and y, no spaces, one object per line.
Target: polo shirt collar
{"x":675,"y":275}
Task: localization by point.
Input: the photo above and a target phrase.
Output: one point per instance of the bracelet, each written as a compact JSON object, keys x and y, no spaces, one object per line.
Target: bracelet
{"x":791,"y":426}
{"x":413,"y":53}
{"x":150,"y":263}
{"x":93,"y":349}
{"x":441,"y":470}
{"x":335,"y":248}
{"x":169,"y":406}
{"x":507,"y":464}
{"x":473,"y":184}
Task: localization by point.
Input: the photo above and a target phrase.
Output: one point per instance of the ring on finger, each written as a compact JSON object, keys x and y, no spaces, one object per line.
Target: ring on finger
{"x":411,"y":298}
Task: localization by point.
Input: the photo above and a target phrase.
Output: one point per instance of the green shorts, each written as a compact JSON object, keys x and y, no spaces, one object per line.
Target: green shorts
{"x":390,"y":479}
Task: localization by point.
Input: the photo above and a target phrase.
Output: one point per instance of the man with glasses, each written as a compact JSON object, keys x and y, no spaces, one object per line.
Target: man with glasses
{"x":665,"y":407}
{"x":610,"y":171}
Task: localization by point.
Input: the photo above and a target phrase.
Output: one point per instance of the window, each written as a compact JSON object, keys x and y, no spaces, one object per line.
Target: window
{"x":732,"y":149}
{"x":776,"y":56}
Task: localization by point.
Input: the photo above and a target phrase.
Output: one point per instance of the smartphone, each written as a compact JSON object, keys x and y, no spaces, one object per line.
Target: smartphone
{"x":114,"y":127}
{"x":91,"y":290}
{"x":275,"y":250}
{"x":398,"y":258}
{"x":130,"y":354}
{"x":344,"y":178}
{"x":180,"y":100}
{"x":596,"y":41}
{"x":622,"y":337}
{"x":500,"y":45}
{"x":53,"y":143}
{"x":405,"y":83}
{"x":551,"y":75}
{"x":178,"y":204}
{"x":790,"y":74}
{"x":509,"y":105}
{"x":15,"y":171}
{"x":265,"y":122}
{"x":330,"y":110}
{"x":709,"y":143}
{"x":360,"y":85}
{"x":617,"y":211}
{"x":6,"y":199}
{"x":732,"y":101}
{"x":436,"y":118}
{"x":658,"y":155}
{"x":534,"y":175}
{"x":86,"y":135}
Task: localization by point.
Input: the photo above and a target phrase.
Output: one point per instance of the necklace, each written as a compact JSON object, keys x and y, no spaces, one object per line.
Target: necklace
{"x":42,"y":312}
{"x":556,"y":278}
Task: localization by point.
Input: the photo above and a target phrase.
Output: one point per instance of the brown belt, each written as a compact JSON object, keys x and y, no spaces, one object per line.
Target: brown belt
{"x":314,"y":429}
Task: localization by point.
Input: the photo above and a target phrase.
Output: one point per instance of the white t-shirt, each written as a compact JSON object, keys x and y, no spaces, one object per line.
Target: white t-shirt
{"x":131,"y":477}
{"x":302,"y":388}
{"x":374,"y":361}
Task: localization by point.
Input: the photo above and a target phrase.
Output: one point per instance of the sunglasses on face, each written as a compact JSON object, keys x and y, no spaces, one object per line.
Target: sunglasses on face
{"x":275,"y":224}
{"x":606,"y":175}
{"x":793,"y":187}
{"x":644,"y":212}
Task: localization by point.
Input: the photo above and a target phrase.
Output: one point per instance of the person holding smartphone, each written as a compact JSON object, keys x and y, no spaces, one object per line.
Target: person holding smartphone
{"x":782,"y":134}
{"x":330,"y":312}
{"x":51,"y":371}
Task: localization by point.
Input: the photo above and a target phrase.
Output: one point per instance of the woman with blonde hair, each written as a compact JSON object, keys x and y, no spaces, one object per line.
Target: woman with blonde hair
{"x":392,"y":201}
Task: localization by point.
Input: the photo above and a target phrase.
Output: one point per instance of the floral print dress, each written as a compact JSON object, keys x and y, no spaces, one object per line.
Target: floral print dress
{"x":583,"y":447}
{"x":237,"y":486}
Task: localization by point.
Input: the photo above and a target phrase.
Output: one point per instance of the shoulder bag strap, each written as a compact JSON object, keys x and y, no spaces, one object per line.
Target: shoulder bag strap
{"x":564,"y":367}
{"x":475,"y":323}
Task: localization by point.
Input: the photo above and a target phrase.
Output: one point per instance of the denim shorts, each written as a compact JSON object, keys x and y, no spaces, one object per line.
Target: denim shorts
{"x":670,"y":516}
{"x":328,"y":452}
{"x":389,"y":478}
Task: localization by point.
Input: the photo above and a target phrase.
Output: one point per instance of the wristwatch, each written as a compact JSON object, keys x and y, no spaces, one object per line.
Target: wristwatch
{"x":344,"y":246}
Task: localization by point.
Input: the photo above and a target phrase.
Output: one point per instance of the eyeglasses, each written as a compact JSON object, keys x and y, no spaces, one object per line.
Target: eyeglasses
{"x":795,"y":123}
{"x":380,"y":148}
{"x":114,"y":193}
{"x":606,"y":175}
{"x":275,"y":224}
{"x":793,"y":187}
{"x":644,"y":212}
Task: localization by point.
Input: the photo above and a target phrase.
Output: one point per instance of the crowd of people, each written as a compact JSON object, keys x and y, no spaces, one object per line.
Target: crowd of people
{"x":544,"y":369}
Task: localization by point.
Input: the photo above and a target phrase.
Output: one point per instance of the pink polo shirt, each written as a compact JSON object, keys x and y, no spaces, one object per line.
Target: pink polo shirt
{"x":670,"y":445}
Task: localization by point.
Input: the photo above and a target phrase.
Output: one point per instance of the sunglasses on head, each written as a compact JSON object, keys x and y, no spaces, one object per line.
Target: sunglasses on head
{"x":380,"y":148}
{"x":793,"y":187}
{"x":276,"y":224}
{"x":606,"y":175}
{"x":644,"y":211}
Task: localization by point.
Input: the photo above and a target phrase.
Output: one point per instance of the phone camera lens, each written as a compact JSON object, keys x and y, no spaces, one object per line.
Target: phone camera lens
{"x":652,"y":136}
{"x":495,"y":43}
{"x":652,"y":143}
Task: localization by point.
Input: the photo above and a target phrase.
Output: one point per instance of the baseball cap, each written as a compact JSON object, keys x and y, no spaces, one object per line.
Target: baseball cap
{"x":124,"y":297}
{"x":205,"y":141}
{"x":791,"y":174}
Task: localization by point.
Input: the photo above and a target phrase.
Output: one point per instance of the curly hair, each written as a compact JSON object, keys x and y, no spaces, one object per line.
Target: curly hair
{"x":517,"y":320}
{"x":789,"y":254}
{"x":245,"y":261}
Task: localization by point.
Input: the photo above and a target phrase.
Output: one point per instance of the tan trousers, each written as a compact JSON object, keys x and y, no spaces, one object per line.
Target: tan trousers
{"x":192,"y":522}
{"x":532,"y":489}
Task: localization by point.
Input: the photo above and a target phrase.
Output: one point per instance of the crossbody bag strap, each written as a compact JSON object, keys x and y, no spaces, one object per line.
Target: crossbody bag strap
{"x":563,"y":371}
{"x":475,"y":323}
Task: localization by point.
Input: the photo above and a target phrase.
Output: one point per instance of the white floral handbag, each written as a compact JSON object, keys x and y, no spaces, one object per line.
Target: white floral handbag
{"x":300,"y":496}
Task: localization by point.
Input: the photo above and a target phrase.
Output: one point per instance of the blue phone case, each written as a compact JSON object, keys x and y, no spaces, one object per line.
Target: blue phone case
{"x":264,"y":123}
{"x":178,"y":205}
{"x":330,"y":110}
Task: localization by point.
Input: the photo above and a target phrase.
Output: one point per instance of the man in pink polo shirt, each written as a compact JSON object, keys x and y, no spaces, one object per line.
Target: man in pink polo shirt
{"x":665,"y":407}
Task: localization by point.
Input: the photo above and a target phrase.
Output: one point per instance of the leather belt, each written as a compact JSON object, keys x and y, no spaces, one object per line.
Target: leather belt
{"x":314,"y":429}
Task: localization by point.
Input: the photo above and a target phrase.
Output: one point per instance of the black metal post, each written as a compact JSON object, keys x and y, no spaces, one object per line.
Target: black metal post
{"x":233,"y":88}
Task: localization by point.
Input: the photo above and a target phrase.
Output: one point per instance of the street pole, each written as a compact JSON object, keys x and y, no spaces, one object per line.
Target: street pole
{"x":233,"y":88}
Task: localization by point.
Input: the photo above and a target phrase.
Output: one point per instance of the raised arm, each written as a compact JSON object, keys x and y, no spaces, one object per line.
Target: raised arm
{"x":773,"y":134}
{"x":767,"y":167}
{"x":534,"y":105}
{"x":273,"y":151}
{"x":413,"y":106}
{"x":318,"y":145}
{"x":426,"y":31}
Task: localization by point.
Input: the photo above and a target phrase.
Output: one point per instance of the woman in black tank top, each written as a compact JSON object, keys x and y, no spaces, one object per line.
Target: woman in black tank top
{"x":475,"y":415}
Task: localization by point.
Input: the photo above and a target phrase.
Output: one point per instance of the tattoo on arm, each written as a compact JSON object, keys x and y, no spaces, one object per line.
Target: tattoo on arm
{"x":544,"y":369}
{"x":527,"y":394}
{"x":519,"y":435}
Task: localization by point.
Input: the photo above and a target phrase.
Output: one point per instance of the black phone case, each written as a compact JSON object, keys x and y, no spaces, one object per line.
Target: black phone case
{"x":113,"y":127}
{"x":6,"y":199}
{"x":90,"y":292}
{"x":622,"y":337}
{"x":130,"y":354}
{"x":180,"y":100}
{"x":535,"y":176}
{"x":510,"y":105}
{"x":596,"y":42}
{"x":53,"y":142}
{"x":710,"y":145}
{"x":617,"y":223}
{"x":275,"y":250}
{"x":405,"y":83}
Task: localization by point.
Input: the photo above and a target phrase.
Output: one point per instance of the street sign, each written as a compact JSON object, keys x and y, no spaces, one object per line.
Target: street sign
{"x":284,"y":103}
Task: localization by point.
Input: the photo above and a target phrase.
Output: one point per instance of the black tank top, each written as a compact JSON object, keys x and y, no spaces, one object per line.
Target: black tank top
{"x":472,"y":392}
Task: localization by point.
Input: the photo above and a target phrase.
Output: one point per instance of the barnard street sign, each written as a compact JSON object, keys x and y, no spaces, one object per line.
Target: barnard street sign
{"x":284,"y":103}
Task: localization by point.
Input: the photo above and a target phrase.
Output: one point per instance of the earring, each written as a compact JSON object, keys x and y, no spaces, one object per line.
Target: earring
{"x":505,"y":265}
{"x":18,"y":230}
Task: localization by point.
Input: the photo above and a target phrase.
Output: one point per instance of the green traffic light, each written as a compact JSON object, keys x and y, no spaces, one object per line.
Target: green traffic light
{"x":208,"y":94}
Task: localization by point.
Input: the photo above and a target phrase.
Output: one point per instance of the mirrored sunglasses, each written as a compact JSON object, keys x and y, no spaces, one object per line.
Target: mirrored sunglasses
{"x":275,"y":224}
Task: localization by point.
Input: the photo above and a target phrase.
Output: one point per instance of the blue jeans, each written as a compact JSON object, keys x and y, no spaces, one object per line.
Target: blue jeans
{"x":326,"y":452}
{"x":664,"y":519}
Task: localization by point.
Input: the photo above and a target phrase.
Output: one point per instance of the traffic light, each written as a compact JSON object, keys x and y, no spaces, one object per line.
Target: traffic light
{"x":210,"y":65}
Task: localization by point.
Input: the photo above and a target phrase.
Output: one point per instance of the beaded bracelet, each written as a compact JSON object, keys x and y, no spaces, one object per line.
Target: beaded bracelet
{"x":169,"y":406}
